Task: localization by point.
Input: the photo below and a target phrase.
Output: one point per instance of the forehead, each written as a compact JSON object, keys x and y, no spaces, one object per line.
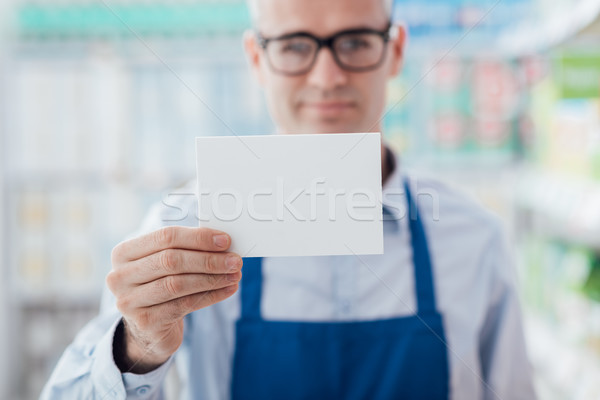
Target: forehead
{"x":320,"y":17}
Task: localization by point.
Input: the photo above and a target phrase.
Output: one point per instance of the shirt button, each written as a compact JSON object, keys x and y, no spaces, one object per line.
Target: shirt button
{"x":142,"y":390}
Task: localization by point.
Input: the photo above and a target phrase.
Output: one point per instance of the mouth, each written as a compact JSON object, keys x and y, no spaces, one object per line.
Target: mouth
{"x":329,"y":108}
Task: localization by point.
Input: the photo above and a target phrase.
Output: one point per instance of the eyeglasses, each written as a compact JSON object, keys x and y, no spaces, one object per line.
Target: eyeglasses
{"x":354,"y":50}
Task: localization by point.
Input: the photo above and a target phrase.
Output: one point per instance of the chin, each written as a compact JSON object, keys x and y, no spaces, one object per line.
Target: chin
{"x":331,"y":127}
{"x":322,"y":126}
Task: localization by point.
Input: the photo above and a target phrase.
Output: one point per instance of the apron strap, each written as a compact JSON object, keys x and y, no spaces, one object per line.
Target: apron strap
{"x":424,"y":287}
{"x":252,"y":277}
{"x":251,"y":288}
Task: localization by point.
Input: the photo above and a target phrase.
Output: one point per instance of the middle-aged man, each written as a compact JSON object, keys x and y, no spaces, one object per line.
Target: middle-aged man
{"x":437,"y":316}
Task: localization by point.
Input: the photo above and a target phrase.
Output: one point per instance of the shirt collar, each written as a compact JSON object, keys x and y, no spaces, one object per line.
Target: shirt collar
{"x":393,"y":194}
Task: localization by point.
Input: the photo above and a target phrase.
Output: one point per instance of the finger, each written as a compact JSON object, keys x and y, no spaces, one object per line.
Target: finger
{"x":171,"y":237}
{"x":176,"y":286}
{"x":174,"y":262}
{"x":155,"y":316}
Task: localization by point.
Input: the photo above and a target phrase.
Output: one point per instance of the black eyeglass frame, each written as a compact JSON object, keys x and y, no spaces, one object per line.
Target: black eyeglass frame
{"x":328,"y":42}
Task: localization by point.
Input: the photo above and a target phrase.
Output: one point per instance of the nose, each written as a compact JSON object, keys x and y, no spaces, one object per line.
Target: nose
{"x":325,"y":73}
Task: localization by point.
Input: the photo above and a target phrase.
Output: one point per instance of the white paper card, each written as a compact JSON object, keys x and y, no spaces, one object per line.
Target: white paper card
{"x":293,"y":195}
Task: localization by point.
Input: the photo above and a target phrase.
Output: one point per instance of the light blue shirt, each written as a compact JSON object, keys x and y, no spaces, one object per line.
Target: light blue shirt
{"x":475,"y":288}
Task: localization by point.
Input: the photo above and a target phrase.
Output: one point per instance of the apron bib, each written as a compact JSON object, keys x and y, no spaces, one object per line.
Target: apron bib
{"x":396,"y":358}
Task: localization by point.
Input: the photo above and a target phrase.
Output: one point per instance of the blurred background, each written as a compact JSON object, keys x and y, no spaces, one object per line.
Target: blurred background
{"x":100,"y":102}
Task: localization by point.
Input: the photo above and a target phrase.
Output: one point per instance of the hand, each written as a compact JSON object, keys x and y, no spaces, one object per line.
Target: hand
{"x":157,"y":280}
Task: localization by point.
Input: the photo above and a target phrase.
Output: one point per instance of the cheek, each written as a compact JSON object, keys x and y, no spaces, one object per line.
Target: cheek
{"x":373,"y":95}
{"x":281,"y":92}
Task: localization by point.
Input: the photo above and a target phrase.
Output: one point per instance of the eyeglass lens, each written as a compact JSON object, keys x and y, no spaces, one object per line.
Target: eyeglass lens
{"x":353,"y":51}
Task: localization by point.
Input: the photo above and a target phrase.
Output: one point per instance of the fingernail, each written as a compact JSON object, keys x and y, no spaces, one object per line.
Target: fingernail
{"x":233,"y":263}
{"x":220,"y":240}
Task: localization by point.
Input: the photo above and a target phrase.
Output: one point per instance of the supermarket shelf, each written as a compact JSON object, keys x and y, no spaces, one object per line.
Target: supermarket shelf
{"x":198,"y":39}
{"x":131,"y":20}
{"x":532,"y":37}
{"x":147,"y":180}
{"x":83,"y":297}
{"x":576,"y":375}
{"x":561,"y":206}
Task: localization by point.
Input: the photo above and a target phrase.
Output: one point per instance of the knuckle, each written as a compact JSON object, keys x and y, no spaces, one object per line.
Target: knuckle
{"x":116,"y":254}
{"x":112,"y":280}
{"x":166,"y":236}
{"x":169,"y":259}
{"x":211,"y":263}
{"x":171,"y":285}
{"x":123,"y":304}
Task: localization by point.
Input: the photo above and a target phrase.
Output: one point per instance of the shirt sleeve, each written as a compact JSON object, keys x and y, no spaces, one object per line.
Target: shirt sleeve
{"x":505,"y":367}
{"x":87,"y":368}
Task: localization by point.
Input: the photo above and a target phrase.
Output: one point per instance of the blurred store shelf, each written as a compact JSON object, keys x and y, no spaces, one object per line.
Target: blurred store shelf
{"x":563,"y":23}
{"x":131,"y":19}
{"x":95,"y":132}
{"x":575,"y":377}
{"x":105,"y":103}
{"x":562,"y":206}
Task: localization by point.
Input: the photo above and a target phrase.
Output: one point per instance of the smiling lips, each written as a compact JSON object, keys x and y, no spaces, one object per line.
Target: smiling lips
{"x":329,"y":108}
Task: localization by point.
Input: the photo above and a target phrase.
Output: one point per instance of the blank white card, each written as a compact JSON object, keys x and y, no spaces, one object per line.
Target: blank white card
{"x":293,"y":195}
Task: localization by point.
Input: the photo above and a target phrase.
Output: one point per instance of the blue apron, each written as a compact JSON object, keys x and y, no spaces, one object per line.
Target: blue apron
{"x":397,"y":358}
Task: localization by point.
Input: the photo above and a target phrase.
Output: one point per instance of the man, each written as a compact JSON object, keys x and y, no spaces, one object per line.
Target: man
{"x":435,"y":317}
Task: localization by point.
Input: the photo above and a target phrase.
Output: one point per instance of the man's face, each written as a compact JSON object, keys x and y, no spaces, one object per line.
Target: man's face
{"x":327,"y":99}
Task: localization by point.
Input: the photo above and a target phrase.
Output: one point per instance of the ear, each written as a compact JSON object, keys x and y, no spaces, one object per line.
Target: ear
{"x":254,"y":55}
{"x":397,"y":43}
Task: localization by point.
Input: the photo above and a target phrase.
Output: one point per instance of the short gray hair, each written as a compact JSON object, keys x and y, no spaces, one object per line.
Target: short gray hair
{"x":254,"y":12}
